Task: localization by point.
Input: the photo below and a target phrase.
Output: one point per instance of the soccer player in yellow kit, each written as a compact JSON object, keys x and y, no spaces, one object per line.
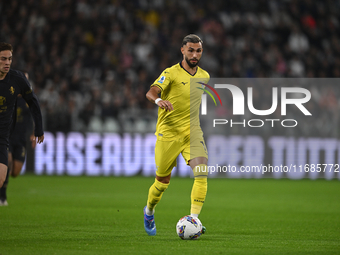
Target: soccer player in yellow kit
{"x":178,"y":129}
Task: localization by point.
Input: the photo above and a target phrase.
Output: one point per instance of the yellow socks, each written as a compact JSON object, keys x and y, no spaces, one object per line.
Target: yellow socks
{"x":199,"y":189}
{"x":155,"y":194}
{"x":198,"y":192}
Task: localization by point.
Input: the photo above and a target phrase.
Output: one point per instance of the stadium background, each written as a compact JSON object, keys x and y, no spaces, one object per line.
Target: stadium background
{"x":91,"y":63}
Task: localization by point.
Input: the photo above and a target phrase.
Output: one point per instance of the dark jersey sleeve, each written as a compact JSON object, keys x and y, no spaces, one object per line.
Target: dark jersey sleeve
{"x":33,"y":103}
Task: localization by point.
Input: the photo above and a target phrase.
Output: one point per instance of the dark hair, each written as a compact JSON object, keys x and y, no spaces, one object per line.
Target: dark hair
{"x":5,"y":46}
{"x":191,"y":38}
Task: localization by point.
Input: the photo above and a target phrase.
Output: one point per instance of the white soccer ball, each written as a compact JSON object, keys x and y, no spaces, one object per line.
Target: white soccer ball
{"x":189,"y":228}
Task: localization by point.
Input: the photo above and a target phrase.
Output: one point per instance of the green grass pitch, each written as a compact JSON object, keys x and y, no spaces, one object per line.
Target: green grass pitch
{"x":104,"y":215}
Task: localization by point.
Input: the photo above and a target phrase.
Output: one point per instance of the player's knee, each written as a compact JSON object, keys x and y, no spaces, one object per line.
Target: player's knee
{"x":165,"y":180}
{"x":201,"y":171}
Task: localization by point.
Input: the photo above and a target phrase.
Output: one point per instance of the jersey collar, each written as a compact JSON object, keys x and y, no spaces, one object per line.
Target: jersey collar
{"x":180,"y":63}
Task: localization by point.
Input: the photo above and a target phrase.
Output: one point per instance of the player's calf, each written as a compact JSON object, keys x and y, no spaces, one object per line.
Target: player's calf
{"x":199,"y":189}
{"x":16,"y":169}
{"x":3,"y":173}
{"x":155,"y":194}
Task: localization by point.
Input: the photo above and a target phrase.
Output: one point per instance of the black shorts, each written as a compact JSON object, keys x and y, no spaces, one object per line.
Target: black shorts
{"x":4,"y":154}
{"x":18,"y":150}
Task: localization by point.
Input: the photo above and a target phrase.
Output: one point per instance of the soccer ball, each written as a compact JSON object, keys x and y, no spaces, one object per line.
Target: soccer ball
{"x":189,"y":228}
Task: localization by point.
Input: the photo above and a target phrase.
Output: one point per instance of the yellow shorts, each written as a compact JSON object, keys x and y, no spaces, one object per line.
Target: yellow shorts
{"x":166,"y":152}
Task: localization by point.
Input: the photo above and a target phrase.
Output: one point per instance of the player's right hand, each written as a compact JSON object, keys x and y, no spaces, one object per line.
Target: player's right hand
{"x":166,"y":105}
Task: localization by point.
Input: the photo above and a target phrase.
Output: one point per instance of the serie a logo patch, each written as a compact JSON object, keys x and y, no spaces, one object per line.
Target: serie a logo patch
{"x":162,"y":79}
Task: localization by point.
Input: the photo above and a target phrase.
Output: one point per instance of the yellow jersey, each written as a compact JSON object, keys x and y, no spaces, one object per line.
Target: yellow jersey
{"x":180,"y":88}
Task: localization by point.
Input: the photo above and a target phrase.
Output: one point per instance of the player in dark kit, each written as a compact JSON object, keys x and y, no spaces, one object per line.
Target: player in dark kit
{"x":17,"y":143}
{"x":13,"y":83}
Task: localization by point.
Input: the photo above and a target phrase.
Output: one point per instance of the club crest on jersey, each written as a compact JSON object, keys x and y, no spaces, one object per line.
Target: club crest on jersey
{"x":162,"y":79}
{"x":11,"y":90}
{"x":2,"y":100}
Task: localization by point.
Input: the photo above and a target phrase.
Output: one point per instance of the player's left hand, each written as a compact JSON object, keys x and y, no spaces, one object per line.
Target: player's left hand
{"x":39,"y":139}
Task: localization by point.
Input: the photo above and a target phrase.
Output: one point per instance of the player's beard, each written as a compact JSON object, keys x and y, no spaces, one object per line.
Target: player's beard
{"x":191,"y":64}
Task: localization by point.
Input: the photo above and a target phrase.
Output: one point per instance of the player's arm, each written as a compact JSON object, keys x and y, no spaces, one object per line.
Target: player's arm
{"x":34,"y":107}
{"x":37,"y":117}
{"x":33,"y":104}
{"x":153,"y":94}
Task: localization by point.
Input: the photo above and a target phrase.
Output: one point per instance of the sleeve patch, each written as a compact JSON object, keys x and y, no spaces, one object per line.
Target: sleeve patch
{"x":161,"y":80}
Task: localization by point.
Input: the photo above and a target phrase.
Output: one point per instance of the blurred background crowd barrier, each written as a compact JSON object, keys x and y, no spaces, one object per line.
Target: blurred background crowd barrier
{"x":92,"y":61}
